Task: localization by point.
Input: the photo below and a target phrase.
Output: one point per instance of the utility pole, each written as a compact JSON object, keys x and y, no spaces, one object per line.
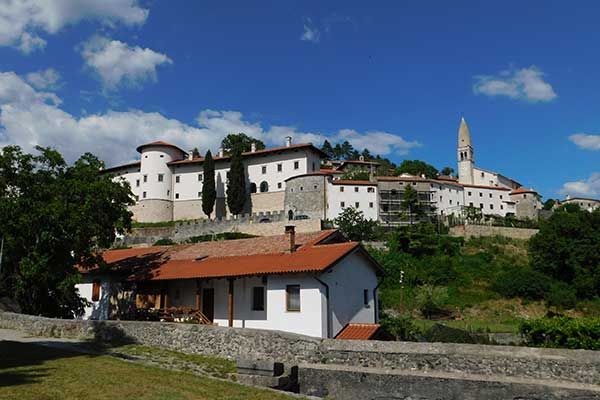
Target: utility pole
{"x":1,"y":252}
{"x":401,"y":291}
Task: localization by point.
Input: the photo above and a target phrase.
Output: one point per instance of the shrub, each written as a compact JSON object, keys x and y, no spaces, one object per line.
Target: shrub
{"x":164,"y":242}
{"x":580,"y":333}
{"x":399,"y":328}
{"x":522,"y":282}
{"x":561,"y":296}
{"x":431,"y":300}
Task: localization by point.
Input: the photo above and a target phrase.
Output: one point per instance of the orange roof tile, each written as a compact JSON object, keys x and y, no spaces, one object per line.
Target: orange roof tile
{"x":314,"y":259}
{"x":158,"y":143}
{"x":522,"y":190}
{"x":353,"y":182}
{"x":358,"y":332}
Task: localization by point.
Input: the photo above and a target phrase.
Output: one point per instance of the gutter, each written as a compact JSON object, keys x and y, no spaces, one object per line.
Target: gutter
{"x":375,"y":303}
{"x":328,"y":309}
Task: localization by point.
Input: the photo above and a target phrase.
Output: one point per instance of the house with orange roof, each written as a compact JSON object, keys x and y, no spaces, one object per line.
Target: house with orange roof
{"x":308,"y":283}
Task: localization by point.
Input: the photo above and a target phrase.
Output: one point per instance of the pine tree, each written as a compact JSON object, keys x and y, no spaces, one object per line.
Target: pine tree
{"x":209,"y":191}
{"x":236,"y":187}
{"x":328,"y":150}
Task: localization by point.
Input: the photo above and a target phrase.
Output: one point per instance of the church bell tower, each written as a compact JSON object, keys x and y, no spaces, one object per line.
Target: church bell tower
{"x":465,"y":154}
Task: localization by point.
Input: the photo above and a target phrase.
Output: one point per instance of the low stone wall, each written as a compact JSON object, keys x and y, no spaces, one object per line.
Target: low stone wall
{"x":468,"y":231}
{"x":180,"y":232}
{"x":577,"y":366}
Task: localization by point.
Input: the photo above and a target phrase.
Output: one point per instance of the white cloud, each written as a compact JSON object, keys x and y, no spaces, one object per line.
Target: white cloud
{"x":29,"y":117}
{"x":587,"y":187}
{"x":21,"y":21}
{"x":118,"y":64}
{"x":48,"y":79}
{"x":585,"y":141}
{"x":311,"y":32}
{"x":523,"y":84}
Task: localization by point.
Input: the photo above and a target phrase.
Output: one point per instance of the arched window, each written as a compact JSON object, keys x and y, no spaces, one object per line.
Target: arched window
{"x":252,"y":187}
{"x":264,"y":187}
{"x":290,"y":215}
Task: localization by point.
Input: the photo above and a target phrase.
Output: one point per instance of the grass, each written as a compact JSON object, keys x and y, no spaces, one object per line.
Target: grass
{"x":30,"y":371}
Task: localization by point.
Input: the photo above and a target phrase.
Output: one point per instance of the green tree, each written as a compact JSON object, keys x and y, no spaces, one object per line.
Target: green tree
{"x":447,"y":171}
{"x":354,"y":226}
{"x":410,"y":202}
{"x":567,"y":248}
{"x":356,"y":174}
{"x":209,"y":190}
{"x":241,"y":142}
{"x":55,"y":216}
{"x":548,"y":204}
{"x":366,"y":154}
{"x":236,"y":186}
{"x":418,"y":168}
{"x":328,"y":150}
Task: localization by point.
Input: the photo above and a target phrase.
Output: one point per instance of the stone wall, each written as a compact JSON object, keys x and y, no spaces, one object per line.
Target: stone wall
{"x":547,"y":365}
{"x":245,"y":224}
{"x":153,"y":210}
{"x":268,"y":201}
{"x":468,"y":231}
{"x":306,"y":195}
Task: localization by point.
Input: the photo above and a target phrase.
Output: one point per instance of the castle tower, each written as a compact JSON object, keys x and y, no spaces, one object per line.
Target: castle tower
{"x":465,"y":154}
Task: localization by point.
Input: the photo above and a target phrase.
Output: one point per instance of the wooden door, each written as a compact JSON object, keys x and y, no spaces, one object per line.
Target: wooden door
{"x":208,"y":303}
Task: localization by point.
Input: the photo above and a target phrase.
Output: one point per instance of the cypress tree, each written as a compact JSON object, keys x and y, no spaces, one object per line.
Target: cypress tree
{"x":236,"y":187}
{"x":209,"y":190}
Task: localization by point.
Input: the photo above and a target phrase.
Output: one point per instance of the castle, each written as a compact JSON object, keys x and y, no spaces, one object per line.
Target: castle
{"x":167,"y":185}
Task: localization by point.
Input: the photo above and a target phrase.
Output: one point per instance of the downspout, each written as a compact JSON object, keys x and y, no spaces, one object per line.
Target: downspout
{"x":328,"y":309}
{"x":375,"y":303}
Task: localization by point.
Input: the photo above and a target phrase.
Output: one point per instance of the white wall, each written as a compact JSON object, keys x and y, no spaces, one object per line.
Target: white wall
{"x":154,"y":161}
{"x":97,"y":309}
{"x":367,"y":200}
{"x":492,"y":199}
{"x":347,"y":282}
{"x":448,"y":198}
{"x":131,"y":175}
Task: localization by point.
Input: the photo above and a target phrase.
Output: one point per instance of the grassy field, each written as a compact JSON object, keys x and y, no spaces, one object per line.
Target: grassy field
{"x":29,"y":371}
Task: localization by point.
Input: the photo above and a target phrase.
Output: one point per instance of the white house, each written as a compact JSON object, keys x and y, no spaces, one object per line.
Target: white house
{"x":313,"y":284}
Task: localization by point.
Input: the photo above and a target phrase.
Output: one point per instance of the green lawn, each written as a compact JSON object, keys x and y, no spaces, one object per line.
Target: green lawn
{"x":29,"y":371}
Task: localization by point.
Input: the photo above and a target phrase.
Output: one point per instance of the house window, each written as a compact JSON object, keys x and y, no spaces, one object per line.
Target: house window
{"x":161,"y":177}
{"x":137,"y":183}
{"x":524,"y":196}
{"x":371,"y":204}
{"x":264,"y":169}
{"x":366,"y":297}
{"x":199,"y":194}
{"x":501,"y":207}
{"x":356,"y":189}
{"x":296,"y":164}
{"x":471,"y":204}
{"x":301,"y":188}
{"x":279,"y":167}
{"x":145,"y":178}
{"x":469,"y":193}
{"x":258,"y":298}
{"x":176,"y":195}
{"x":500,"y":197}
{"x":177,"y":179}
{"x":450,"y":201}
{"x":278,"y":185}
{"x":96,"y":291}
{"x":252,"y":187}
{"x":292,"y":297}
{"x":490,"y":195}
{"x":264,"y":187}
{"x":480,"y":194}
{"x":137,"y":198}
{"x":341,"y":188}
{"x":144,"y":195}
{"x":356,"y":205}
{"x":481,"y":205}
{"x":482,"y":175}
{"x":370,"y":190}
{"x":168,"y":193}
{"x":342,"y":204}
{"x":491,"y":206}
{"x":313,"y":167}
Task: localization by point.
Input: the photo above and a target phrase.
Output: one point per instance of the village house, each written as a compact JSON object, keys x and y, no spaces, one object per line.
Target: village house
{"x":308,"y":283}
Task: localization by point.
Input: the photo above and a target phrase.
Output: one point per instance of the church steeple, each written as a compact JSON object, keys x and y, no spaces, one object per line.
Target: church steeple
{"x":465,"y":154}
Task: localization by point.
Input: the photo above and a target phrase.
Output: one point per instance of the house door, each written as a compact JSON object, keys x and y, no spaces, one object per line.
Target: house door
{"x":208,"y":303}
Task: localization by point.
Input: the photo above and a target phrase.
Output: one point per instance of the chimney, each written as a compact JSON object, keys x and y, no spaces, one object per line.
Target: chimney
{"x":288,"y":141}
{"x":291,"y":231}
{"x":221,"y":152}
{"x":191,"y":154}
{"x":253,"y":147}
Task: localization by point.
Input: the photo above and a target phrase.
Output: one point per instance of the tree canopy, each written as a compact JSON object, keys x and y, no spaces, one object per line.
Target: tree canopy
{"x":241,"y":142}
{"x":54,"y":216}
{"x":417,"y":168}
{"x":354,"y":226}
{"x":448,"y":171}
{"x":209,"y":191}
{"x":567,"y":248}
{"x":236,"y":186}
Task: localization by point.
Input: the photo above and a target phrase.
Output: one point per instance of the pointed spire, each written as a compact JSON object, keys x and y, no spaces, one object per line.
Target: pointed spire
{"x":464,"y":136}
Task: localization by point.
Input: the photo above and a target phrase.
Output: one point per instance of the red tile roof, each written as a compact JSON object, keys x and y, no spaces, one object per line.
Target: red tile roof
{"x":358,"y":332}
{"x":522,"y":190}
{"x":122,"y":166}
{"x":314,"y":259}
{"x":158,"y":143}
{"x":353,"y":182}
{"x":487,"y":187}
{"x":200,"y":160}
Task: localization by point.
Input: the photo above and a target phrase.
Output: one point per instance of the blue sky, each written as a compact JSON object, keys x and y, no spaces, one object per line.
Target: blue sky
{"x":104,"y":76}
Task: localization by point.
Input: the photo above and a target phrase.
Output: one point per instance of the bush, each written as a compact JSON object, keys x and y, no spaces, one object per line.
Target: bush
{"x":561,"y":296}
{"x":562,"y":332}
{"x":399,"y":328}
{"x":522,"y":282}
{"x":164,"y":242}
{"x":219,"y":236}
{"x":431,"y":300}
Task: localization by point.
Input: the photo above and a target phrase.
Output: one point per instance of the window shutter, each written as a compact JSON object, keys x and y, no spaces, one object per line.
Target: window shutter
{"x":96,"y":291}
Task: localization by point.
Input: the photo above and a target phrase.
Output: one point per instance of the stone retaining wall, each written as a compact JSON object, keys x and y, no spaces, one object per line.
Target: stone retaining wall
{"x":520,"y":362}
{"x":468,"y":231}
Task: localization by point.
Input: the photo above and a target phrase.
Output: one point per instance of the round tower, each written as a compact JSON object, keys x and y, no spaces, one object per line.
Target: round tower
{"x":156,"y":181}
{"x":466,"y":156}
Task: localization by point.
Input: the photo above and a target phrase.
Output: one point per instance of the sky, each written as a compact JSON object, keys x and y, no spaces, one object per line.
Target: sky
{"x":104,"y":76}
